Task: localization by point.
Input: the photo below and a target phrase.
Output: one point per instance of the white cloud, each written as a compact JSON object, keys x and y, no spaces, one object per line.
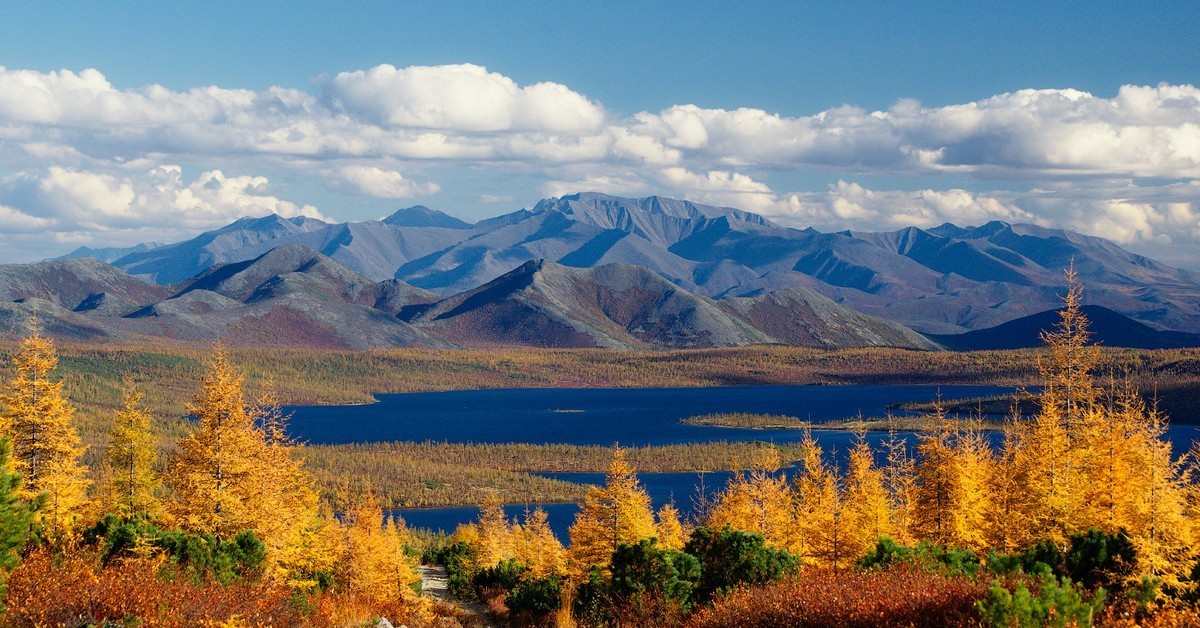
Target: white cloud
{"x":850,"y":205}
{"x":66,"y":206}
{"x":460,"y":98}
{"x":381,"y":183}
{"x":89,"y":155}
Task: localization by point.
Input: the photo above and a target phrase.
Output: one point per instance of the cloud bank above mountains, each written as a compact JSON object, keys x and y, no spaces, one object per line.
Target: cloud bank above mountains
{"x":84,"y":161}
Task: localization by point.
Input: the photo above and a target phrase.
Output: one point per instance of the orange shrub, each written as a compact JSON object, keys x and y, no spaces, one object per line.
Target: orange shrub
{"x":822,"y":597}
{"x":70,"y":590}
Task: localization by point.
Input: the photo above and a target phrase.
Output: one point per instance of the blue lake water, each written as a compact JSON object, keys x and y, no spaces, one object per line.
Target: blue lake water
{"x":599,"y":416}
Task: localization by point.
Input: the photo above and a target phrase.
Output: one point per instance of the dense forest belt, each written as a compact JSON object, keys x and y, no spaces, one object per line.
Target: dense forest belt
{"x":408,"y":475}
{"x":905,"y":423}
{"x":169,"y":375}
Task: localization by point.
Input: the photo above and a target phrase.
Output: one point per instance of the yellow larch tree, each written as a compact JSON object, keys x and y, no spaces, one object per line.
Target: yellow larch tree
{"x":132,"y":487}
{"x":759,"y":501}
{"x":669,"y":528}
{"x":974,"y":466}
{"x":820,"y":513}
{"x":1159,"y":526}
{"x":375,"y":564}
{"x":867,"y":505}
{"x":237,"y":471}
{"x":1009,"y":524}
{"x":46,"y":451}
{"x":290,"y":523}
{"x":618,"y":513}
{"x":1067,"y":371}
{"x":937,"y":485}
{"x":900,"y":479}
{"x":495,"y":539}
{"x":537,"y":548}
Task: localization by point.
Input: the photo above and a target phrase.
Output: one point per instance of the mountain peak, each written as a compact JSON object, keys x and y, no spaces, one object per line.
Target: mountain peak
{"x":422,"y":216}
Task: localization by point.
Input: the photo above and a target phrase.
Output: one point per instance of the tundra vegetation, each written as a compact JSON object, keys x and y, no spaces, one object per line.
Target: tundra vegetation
{"x":1080,"y":516}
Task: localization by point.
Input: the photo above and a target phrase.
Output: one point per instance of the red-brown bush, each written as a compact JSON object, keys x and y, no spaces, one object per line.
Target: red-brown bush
{"x":899,"y":596}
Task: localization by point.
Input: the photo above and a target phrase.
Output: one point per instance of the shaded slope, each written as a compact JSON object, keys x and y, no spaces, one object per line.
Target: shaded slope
{"x":801,"y":317}
{"x":1109,"y":328}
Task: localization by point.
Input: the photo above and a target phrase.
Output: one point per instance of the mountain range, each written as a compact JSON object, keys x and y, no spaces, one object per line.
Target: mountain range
{"x":294,"y":296}
{"x":943,"y":280}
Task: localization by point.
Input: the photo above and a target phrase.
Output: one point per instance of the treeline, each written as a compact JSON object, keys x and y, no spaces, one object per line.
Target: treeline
{"x":1080,"y":516}
{"x":413,"y":475}
{"x":228,"y":529}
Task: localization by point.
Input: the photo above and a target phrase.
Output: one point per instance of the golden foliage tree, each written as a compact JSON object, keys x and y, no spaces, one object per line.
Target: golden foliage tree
{"x":237,"y":471}
{"x":46,"y":450}
{"x":669,"y":528}
{"x":494,"y":541}
{"x":937,"y":486}
{"x":133,"y":486}
{"x":538,"y":548}
{"x":868,"y":507}
{"x":375,"y":564}
{"x":820,"y":517}
{"x":618,"y":513}
{"x":759,"y":501}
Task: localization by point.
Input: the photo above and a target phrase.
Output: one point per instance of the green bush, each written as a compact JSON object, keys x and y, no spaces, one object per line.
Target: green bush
{"x":504,"y":576}
{"x":1058,"y":603}
{"x":535,"y":598}
{"x":949,"y":561}
{"x":645,"y":567}
{"x":1093,"y":559}
{"x":729,"y":558}
{"x":457,"y":559}
{"x":198,"y":556}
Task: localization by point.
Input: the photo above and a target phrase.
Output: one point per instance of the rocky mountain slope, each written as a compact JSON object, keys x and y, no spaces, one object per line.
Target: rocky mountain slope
{"x":294,"y":296}
{"x":944,"y":280}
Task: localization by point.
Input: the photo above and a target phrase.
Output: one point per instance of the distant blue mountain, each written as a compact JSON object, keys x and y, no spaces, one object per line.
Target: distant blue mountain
{"x":944,"y":280}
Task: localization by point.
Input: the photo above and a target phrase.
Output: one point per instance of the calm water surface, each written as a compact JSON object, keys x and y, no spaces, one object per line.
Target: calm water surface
{"x":599,"y":416}
{"x":603,"y":416}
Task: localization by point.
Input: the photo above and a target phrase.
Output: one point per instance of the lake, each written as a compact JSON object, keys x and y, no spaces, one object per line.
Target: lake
{"x":604,"y":416}
{"x":599,"y":416}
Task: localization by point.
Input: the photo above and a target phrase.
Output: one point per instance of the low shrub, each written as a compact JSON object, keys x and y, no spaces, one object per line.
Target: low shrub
{"x":903,"y":595}
{"x":729,"y":558}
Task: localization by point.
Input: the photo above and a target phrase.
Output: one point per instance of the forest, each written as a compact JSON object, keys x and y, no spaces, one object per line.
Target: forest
{"x":1079,"y":514}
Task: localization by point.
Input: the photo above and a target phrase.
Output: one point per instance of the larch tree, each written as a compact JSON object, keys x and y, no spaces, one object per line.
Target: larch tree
{"x":868,"y":508}
{"x":236,"y":471}
{"x":974,"y":466}
{"x":495,"y":541}
{"x":37,"y":418}
{"x":820,"y":511}
{"x":1009,"y":524}
{"x":133,"y":486}
{"x":759,"y":501}
{"x":618,"y":513}
{"x":538,"y":548}
{"x":1049,"y":453}
{"x":900,"y":479}
{"x":375,"y":565}
{"x":937,"y":485}
{"x":669,"y":528}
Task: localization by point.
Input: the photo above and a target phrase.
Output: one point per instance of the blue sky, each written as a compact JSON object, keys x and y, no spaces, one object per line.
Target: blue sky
{"x":837,"y":115}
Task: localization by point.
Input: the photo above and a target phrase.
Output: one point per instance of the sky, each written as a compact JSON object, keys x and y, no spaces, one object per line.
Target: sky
{"x":125,"y":122}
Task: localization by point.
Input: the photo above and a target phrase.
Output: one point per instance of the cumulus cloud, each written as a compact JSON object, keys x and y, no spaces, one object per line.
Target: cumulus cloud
{"x":88,"y":155}
{"x":460,"y":98}
{"x":381,"y":183}
{"x":850,"y":205}
{"x":69,"y":206}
